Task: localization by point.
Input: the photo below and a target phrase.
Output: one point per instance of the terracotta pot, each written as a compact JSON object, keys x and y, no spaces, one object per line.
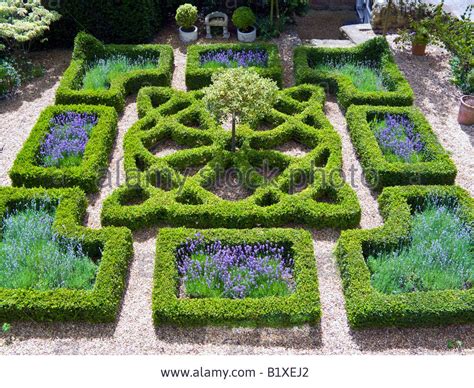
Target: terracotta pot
{"x":466,"y":110}
{"x":418,"y":49}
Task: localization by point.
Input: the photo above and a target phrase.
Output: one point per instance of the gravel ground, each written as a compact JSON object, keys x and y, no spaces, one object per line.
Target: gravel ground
{"x":134,"y":332}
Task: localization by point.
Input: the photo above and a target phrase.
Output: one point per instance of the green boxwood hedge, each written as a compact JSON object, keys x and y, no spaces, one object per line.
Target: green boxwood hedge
{"x":300,"y":307}
{"x":112,"y":246}
{"x":375,"y":51}
{"x":366,"y":307}
{"x":437,"y":169}
{"x":164,"y":190}
{"x":27,"y":172}
{"x":198,"y":77}
{"x":87,"y":48}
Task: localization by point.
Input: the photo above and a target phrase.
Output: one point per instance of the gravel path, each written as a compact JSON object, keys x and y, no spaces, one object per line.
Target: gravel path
{"x":134,"y":332}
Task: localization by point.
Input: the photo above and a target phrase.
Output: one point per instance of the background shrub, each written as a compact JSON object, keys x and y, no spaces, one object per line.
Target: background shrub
{"x":125,"y":21}
{"x":10,"y":79}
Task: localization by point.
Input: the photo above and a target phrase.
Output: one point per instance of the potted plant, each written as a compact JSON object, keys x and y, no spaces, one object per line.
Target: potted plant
{"x":244,"y":19}
{"x":186,"y":16}
{"x":418,"y":35}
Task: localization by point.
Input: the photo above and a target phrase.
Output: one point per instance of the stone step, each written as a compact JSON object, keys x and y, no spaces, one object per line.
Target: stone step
{"x":358,"y":33}
{"x":329,"y":43}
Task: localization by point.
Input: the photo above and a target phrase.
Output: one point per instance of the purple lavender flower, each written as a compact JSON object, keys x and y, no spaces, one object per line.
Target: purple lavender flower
{"x":397,"y":137}
{"x":235,"y":58}
{"x":234,"y":271}
{"x":67,"y":138}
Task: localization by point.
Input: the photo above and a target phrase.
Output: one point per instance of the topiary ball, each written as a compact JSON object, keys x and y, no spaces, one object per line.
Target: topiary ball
{"x":186,"y":16}
{"x":243,"y":18}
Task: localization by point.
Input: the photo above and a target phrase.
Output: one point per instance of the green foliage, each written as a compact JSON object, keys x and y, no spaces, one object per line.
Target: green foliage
{"x":112,"y":247}
{"x":88,"y":50}
{"x":300,"y":307}
{"x":439,"y":254}
{"x":113,"y":21}
{"x":161,"y":189}
{"x":33,"y":256}
{"x":186,"y":15}
{"x":364,"y":78}
{"x":198,"y":77}
{"x":6,"y":328}
{"x":100,"y":74}
{"x":435,"y":168}
{"x":267,"y":29}
{"x":240,"y":93}
{"x":10,"y":79}
{"x":367,"y":307}
{"x":28,"y":171}
{"x":22,"y":22}
{"x":376,"y":51}
{"x":243,"y":18}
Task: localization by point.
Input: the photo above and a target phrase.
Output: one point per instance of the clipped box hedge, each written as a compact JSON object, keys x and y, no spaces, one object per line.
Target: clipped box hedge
{"x":113,"y":245}
{"x":198,"y":77}
{"x":299,"y":308}
{"x":158,"y":191}
{"x":87,"y":49}
{"x":437,"y":169}
{"x":367,"y":307}
{"x":376,"y":51}
{"x":27,"y":172}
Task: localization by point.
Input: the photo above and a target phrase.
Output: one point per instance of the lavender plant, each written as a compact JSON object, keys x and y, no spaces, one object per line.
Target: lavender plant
{"x":439,"y":254}
{"x":33,"y":256}
{"x":398,"y":140}
{"x":234,"y":58}
{"x":365,"y":76}
{"x":100,"y":73}
{"x":66,"y":141}
{"x":216,"y":270}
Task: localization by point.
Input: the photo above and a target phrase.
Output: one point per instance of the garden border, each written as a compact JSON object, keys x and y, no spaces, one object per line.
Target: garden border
{"x":301,"y":307}
{"x":376,"y":50}
{"x":367,"y":307}
{"x":26,"y":171}
{"x":439,"y":170}
{"x":86,"y":48}
{"x":272,"y":204}
{"x":198,"y":77}
{"x":102,"y":303}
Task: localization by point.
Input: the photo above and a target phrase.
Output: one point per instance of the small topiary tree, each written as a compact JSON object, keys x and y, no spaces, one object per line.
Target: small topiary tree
{"x":240,"y":94}
{"x":243,"y":18}
{"x":186,"y":16}
{"x":22,"y":22}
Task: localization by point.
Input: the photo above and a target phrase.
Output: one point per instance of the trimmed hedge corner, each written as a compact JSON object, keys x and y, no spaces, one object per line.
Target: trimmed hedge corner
{"x":375,"y":51}
{"x":112,"y":245}
{"x":177,"y":189}
{"x":437,"y":169}
{"x":87,"y":48}
{"x":366,"y":307}
{"x":27,"y":172}
{"x":299,"y":308}
{"x":198,"y":77}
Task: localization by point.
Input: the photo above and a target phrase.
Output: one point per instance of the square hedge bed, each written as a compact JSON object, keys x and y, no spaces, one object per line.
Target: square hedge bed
{"x":158,"y":190}
{"x":113,"y":245}
{"x":87,"y":49}
{"x":300,"y":307}
{"x":366,"y":306}
{"x":437,"y":169}
{"x":198,"y":77}
{"x":27,"y":171}
{"x":376,"y":51}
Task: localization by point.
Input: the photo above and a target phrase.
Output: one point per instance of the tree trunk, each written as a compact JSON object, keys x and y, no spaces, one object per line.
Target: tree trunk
{"x":234,"y":135}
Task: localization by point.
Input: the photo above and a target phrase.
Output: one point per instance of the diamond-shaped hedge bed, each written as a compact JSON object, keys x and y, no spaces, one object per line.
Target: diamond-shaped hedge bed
{"x":268,"y":182}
